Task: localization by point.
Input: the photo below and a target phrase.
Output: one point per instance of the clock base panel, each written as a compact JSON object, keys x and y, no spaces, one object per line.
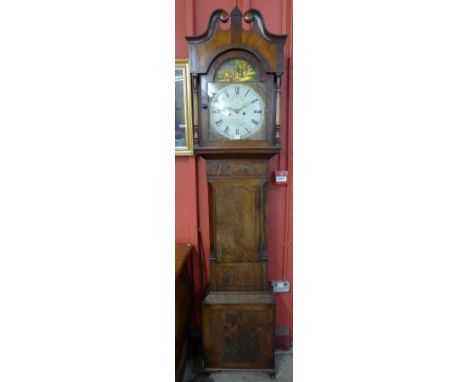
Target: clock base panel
{"x":239,"y":331}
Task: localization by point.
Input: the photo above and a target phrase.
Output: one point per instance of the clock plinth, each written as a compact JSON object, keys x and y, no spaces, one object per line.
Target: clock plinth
{"x":237,"y":331}
{"x":236,"y":93}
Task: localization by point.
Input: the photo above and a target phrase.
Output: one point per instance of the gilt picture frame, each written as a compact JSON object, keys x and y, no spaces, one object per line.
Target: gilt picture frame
{"x":183,"y":109}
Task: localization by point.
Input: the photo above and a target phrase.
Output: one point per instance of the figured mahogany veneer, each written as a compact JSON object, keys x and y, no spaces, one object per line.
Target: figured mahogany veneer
{"x":238,"y":224}
{"x":239,"y":311}
{"x":237,"y":331}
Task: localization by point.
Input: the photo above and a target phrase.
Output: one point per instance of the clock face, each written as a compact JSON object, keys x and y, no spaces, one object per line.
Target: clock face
{"x":237,"y":111}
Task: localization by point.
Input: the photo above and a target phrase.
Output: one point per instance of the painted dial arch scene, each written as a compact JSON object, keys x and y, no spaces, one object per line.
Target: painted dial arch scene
{"x":237,"y":111}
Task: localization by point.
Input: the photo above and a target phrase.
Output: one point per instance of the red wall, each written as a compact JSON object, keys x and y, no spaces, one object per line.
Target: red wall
{"x":191,"y":188}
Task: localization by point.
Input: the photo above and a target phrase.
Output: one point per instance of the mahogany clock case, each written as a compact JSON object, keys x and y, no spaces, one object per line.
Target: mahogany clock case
{"x":239,"y":312}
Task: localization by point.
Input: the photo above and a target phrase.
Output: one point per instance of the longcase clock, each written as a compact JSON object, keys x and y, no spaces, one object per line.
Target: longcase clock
{"x":236,"y":86}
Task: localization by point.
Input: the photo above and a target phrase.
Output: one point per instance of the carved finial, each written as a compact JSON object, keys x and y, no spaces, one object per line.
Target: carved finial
{"x":223,"y":16}
{"x":248,"y":17}
{"x":236,"y":18}
{"x":236,"y":12}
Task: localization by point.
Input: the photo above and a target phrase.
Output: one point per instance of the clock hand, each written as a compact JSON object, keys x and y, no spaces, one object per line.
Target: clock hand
{"x":223,"y":110}
{"x":244,"y":106}
{"x":232,"y":109}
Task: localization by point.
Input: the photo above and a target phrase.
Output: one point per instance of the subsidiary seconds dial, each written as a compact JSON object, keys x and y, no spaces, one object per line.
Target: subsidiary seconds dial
{"x":237,"y":111}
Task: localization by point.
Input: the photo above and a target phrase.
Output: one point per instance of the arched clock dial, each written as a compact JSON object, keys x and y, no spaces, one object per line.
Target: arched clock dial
{"x":237,"y":111}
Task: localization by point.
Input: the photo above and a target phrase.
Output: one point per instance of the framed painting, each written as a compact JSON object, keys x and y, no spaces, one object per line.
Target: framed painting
{"x":183,"y":109}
